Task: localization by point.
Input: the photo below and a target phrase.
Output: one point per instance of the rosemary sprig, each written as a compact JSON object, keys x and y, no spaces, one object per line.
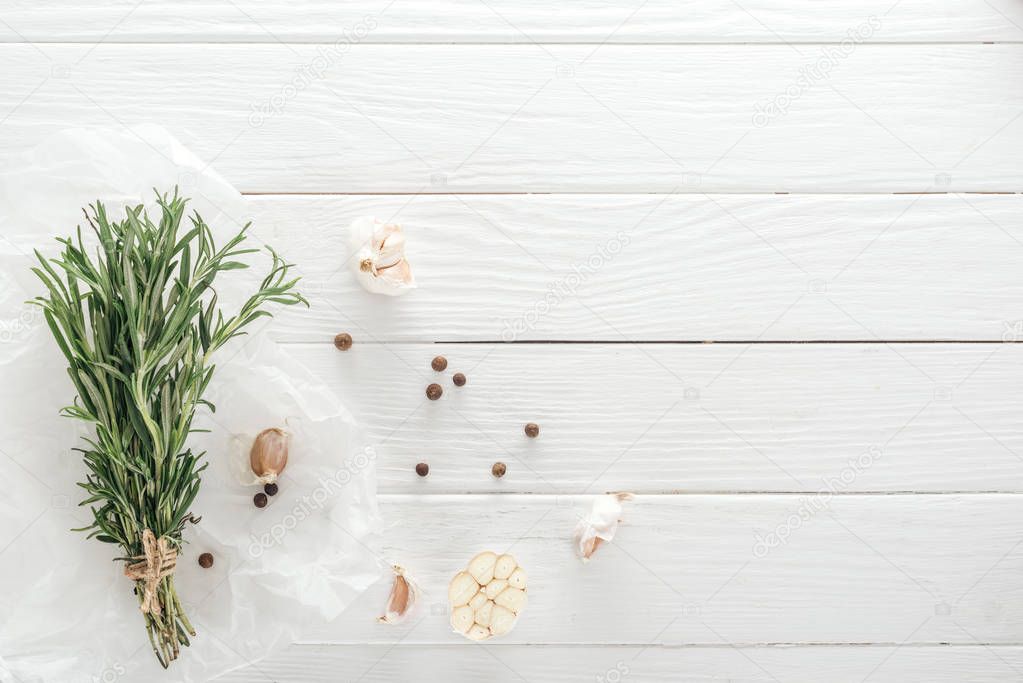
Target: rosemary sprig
{"x":138,"y":322}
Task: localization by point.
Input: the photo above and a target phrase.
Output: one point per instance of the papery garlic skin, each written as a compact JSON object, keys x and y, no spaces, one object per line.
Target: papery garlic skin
{"x":269,"y":454}
{"x":378,"y":260}
{"x":402,"y":600}
{"x":600,"y":524}
{"x":482,"y":604}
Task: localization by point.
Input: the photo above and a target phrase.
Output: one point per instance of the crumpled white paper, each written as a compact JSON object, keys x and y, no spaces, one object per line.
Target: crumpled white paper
{"x":67,"y":612}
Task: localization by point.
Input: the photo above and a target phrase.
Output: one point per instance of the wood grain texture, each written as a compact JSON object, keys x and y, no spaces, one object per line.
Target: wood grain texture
{"x":664,"y":267}
{"x":808,"y":511}
{"x":513,"y":118}
{"x":589,"y":21}
{"x":689,"y":418}
{"x":620,"y":664}
{"x":687,"y":570}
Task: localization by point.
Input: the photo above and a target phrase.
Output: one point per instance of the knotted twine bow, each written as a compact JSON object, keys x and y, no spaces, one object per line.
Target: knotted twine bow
{"x":157,"y":561}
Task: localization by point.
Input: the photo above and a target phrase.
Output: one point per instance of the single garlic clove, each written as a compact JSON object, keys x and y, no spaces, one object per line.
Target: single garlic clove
{"x":462,"y":618}
{"x":461,"y":589}
{"x":600,"y":525}
{"x":379,"y":261}
{"x":483,"y":613}
{"x":512,"y":598}
{"x":269,"y":454}
{"x":404,"y":594}
{"x":502,"y":620}
{"x":482,"y":567}
{"x":518,"y":579}
{"x":495,"y":587}
{"x":477,"y":632}
{"x":504,"y":567}
{"x":589,"y":546}
{"x":478,"y":599}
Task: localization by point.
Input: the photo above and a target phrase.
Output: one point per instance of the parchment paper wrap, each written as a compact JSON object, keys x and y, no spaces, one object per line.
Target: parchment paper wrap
{"x":67,"y":612}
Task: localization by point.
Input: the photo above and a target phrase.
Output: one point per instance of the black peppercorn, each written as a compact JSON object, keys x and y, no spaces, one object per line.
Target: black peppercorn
{"x":343,"y":341}
{"x":270,"y":489}
{"x":433,"y":392}
{"x":206,"y":560}
{"x":440,"y":363}
{"x":498,"y":469}
{"x":422,"y":469}
{"x":458,"y":379}
{"x":260,"y":500}
{"x":532,"y":430}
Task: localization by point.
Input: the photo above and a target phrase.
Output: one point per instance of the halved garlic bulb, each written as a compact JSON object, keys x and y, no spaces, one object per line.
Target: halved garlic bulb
{"x":269,"y":454}
{"x":379,"y":259}
{"x":487,"y":597}
{"x":402,"y":600}
{"x":600,"y":524}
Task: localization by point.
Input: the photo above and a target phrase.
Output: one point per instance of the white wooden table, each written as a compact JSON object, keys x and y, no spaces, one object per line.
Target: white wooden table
{"x":773,"y":248}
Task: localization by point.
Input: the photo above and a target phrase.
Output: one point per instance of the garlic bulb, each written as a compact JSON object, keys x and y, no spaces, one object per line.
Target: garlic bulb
{"x":379,"y":264}
{"x":404,"y":594}
{"x":269,"y":454}
{"x":600,"y":524}
{"x":487,"y":597}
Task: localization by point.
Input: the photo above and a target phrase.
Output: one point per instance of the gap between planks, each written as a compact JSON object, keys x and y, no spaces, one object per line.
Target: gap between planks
{"x":497,"y":193}
{"x":670,"y":646}
{"x":720,"y":492}
{"x":487,"y":43}
{"x":646,"y":342}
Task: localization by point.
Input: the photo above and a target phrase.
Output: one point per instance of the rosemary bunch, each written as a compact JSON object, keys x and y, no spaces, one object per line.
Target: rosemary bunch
{"x":138,"y":322}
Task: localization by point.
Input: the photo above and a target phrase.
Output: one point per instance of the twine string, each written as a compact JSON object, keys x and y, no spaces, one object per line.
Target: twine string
{"x":156,"y":562}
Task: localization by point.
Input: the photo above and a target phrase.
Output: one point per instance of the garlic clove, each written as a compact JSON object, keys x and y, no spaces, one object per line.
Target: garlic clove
{"x":269,"y":454}
{"x":600,"y":524}
{"x":483,"y":613}
{"x":478,"y":600}
{"x":512,"y":598}
{"x":518,"y":579}
{"x":495,"y":587}
{"x":461,"y":589}
{"x":379,"y":261}
{"x":402,"y":600}
{"x":462,"y":618}
{"x":482,"y":567}
{"x":477,"y":632}
{"x":502,"y":620}
{"x":504,"y":567}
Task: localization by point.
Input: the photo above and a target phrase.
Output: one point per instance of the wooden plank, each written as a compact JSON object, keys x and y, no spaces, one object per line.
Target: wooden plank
{"x":691,"y":418}
{"x":676,"y":267}
{"x":689,"y":570}
{"x":589,"y":21}
{"x":613,"y":664}
{"x":513,"y":118}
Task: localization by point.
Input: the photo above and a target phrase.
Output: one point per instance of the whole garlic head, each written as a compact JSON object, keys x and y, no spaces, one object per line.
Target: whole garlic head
{"x":487,"y":597}
{"x":600,"y":524}
{"x":379,"y":259}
